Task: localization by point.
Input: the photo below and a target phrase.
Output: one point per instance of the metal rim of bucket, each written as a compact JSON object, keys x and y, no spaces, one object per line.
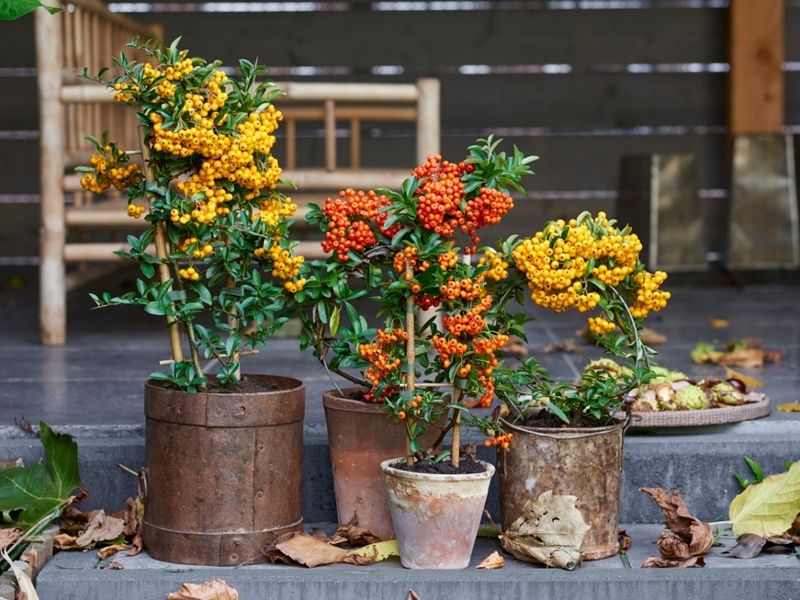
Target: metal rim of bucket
{"x":570,"y":432}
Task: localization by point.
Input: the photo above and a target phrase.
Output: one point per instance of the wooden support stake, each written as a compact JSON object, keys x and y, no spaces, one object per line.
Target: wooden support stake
{"x":410,"y":358}
{"x":163,"y":254}
{"x":756,"y":57}
{"x":458,"y":395}
{"x":291,"y":144}
{"x":355,"y":143}
{"x":428,"y":126}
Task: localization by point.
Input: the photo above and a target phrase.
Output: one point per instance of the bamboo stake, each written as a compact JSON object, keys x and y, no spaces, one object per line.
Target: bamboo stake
{"x":458,"y":394}
{"x":410,"y":357}
{"x":233,"y":323}
{"x":163,"y":255}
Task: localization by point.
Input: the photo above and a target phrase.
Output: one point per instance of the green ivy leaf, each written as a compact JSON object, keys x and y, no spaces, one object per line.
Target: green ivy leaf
{"x":39,"y":489}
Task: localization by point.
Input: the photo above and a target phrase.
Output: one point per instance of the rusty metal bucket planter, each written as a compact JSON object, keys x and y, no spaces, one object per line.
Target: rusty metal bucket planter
{"x":585,"y":462}
{"x":436,"y":517}
{"x":361,"y":437}
{"x":223,"y":471}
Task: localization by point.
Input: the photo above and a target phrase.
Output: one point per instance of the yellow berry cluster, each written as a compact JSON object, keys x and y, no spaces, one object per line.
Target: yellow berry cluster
{"x":649,"y":298}
{"x":497,"y":267}
{"x":199,"y":251}
{"x":125,"y":92}
{"x":600,"y":326}
{"x":136,"y":210}
{"x":111,"y":168}
{"x":285,"y":266}
{"x":273,"y":210}
{"x":189,"y":273}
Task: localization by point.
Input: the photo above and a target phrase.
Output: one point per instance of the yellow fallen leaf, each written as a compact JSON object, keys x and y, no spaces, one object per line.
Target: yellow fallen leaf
{"x":378,"y":551}
{"x":719,"y":323}
{"x":493,"y":561}
{"x":767,"y":508}
{"x":750,"y":382}
{"x":789,"y":407}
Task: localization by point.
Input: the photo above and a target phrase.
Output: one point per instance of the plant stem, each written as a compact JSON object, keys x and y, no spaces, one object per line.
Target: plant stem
{"x":455,"y":452}
{"x":410,"y":359}
{"x":637,"y":342}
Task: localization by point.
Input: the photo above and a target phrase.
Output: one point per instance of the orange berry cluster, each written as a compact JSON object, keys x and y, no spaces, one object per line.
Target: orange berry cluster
{"x":499,"y":440}
{"x":352,"y":218}
{"x":471,"y":322}
{"x":380,"y":354}
{"x":447,"y":260}
{"x":487,"y":208}
{"x":464,"y":289}
{"x":440,"y":195}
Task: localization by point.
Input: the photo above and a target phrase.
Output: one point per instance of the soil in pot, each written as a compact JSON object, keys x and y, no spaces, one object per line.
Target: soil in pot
{"x":466,"y":465}
{"x":224,"y":470}
{"x":361,"y":436}
{"x":584,"y":462}
{"x":436,"y":516}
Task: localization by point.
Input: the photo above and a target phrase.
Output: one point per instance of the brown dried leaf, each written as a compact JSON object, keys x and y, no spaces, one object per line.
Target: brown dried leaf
{"x":624,"y":540}
{"x":749,"y":382}
{"x":672,"y":546}
{"x":116,"y":565}
{"x":101,"y":528}
{"x":696,"y":534}
{"x":744,"y":357}
{"x":303,"y":549}
{"x":104,"y":553}
{"x":64,"y":541}
{"x":516,"y":347}
{"x":136,"y":545}
{"x":719,"y":323}
{"x":493,"y":561}
{"x":549,"y":531}
{"x":789,"y":407}
{"x":8,"y":536}
{"x":658,"y":562}
{"x":355,"y":535}
{"x":651,"y":337}
{"x":748,"y":545}
{"x":131,"y":515}
{"x":412,"y":595}
{"x":216,"y":589}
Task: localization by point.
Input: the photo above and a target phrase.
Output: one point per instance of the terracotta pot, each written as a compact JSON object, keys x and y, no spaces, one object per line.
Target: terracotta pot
{"x":436,"y":517}
{"x":584,"y":462}
{"x":224,"y":471}
{"x":360,"y":437}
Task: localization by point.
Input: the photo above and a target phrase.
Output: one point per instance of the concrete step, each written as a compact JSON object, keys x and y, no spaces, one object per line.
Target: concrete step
{"x":80,"y":576}
{"x":699,"y":462}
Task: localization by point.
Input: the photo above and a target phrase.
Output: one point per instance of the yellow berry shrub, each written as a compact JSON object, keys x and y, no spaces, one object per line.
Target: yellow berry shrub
{"x":208,"y":187}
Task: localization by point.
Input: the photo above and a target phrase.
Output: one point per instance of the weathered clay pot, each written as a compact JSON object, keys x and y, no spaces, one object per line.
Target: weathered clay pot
{"x":223,"y":471}
{"x":436,"y":517}
{"x":583,"y":462}
{"x":360,"y":437}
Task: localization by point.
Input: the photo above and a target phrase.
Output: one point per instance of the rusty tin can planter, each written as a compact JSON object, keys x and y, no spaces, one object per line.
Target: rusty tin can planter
{"x":224,"y":471}
{"x":436,"y":517}
{"x":361,"y":437}
{"x":584,"y":462}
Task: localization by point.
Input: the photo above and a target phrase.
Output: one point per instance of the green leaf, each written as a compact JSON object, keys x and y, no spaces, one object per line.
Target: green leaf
{"x":14,"y":9}
{"x":39,"y":489}
{"x":767,"y":508}
{"x":758,"y":472}
{"x":336,"y":317}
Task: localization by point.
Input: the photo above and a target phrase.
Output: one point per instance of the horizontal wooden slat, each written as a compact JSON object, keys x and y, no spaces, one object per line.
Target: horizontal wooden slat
{"x":104,"y":252}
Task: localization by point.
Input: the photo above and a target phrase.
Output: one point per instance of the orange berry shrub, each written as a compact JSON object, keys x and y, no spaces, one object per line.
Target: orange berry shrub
{"x":216,"y":257}
{"x":592,"y":265}
{"x":401,"y":250}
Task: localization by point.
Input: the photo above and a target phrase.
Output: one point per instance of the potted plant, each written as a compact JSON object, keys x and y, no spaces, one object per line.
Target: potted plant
{"x":568,"y":436}
{"x":223,"y":451}
{"x":400,"y":247}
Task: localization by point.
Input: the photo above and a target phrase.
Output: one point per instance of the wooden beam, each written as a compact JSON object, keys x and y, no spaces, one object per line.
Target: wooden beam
{"x":756,"y":56}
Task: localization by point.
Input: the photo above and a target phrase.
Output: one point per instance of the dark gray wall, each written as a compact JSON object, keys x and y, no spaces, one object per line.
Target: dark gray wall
{"x":580,"y":122}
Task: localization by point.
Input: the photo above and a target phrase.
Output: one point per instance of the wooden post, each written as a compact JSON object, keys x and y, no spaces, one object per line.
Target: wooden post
{"x":756,"y":56}
{"x":355,"y":143}
{"x":330,"y":135}
{"x":428,"y":125}
{"x":52,"y":293}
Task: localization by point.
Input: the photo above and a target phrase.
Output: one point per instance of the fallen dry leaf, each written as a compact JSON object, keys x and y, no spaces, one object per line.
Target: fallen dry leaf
{"x":116,"y":565}
{"x":789,"y":407}
{"x":101,"y":528}
{"x":651,"y":337}
{"x":769,"y":507}
{"x":104,"y":553}
{"x":25,"y":589}
{"x":216,"y":589}
{"x":516,"y":347}
{"x":688,"y":538}
{"x":749,"y":382}
{"x":658,"y":562}
{"x":355,"y":535}
{"x":748,"y":545}
{"x":64,"y":541}
{"x":131,"y":515}
{"x":719,"y":323}
{"x":568,"y":346}
{"x":8,"y":536}
{"x":624,"y":540}
{"x":549,"y":531}
{"x":298,"y":548}
{"x":493,"y":561}
{"x":748,"y":358}
{"x":136,"y":545}
{"x":412,"y":595}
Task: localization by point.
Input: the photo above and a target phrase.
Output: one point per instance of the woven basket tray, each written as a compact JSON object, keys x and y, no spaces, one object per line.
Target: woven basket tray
{"x":758,"y":405}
